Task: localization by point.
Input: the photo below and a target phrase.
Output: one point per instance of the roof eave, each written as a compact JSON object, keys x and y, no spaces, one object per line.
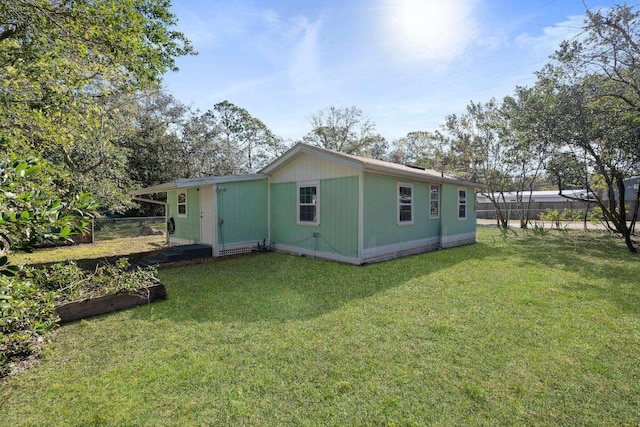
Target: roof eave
{"x":420,"y":175}
{"x":194,"y":182}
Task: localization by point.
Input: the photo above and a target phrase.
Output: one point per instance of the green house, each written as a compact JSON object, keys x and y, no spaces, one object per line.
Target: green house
{"x":325,"y":204}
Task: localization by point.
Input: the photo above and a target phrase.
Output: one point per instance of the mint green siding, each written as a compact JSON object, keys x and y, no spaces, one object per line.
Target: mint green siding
{"x":338,"y":228}
{"x":451,"y":225}
{"x":242,"y":207}
{"x":187,"y":228}
{"x":381,"y":212}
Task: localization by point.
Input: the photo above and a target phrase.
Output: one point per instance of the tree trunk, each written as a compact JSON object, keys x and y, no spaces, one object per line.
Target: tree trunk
{"x":629,"y":242}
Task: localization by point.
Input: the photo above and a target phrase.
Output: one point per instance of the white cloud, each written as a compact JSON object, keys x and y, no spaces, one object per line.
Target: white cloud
{"x":553,"y":35}
{"x":196,"y":30}
{"x":304,"y":69}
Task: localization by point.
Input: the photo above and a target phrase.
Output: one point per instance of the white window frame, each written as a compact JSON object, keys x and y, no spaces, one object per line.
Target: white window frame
{"x":305,"y":184}
{"x":463,"y":202}
{"x":432,"y":200}
{"x":400,"y":203}
{"x":178,"y":204}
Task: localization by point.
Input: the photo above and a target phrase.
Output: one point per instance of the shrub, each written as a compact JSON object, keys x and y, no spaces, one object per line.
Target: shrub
{"x":573,"y":215}
{"x":73,"y":284}
{"x":595,"y":216}
{"x":28,"y":314}
{"x":551,"y":215}
{"x":28,"y":301}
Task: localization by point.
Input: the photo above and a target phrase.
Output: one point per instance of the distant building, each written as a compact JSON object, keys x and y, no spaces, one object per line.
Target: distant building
{"x":540,"y":202}
{"x":630,"y":194}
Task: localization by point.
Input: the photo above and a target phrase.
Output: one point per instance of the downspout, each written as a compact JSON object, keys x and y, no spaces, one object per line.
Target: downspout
{"x":166,"y":211}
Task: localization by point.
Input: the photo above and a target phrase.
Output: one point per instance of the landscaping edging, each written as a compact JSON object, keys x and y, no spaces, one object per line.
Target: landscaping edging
{"x":94,"y":307}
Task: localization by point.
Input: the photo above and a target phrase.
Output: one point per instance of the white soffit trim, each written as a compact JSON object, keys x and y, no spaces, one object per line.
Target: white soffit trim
{"x":195,"y":182}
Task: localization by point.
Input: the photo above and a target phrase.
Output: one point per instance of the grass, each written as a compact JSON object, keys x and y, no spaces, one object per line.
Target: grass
{"x":89,"y":254}
{"x":517,"y":329}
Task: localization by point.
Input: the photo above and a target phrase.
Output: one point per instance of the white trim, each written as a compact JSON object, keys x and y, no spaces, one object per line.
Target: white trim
{"x":207,"y":214}
{"x":438,"y":187}
{"x":399,"y":204}
{"x":249,"y":246}
{"x":360,"y":213}
{"x":458,"y":239}
{"x":195,"y":182}
{"x":466,"y":203}
{"x":303,"y":184}
{"x":269,"y":208}
{"x":186,"y":204}
{"x":314,"y":254}
{"x":216,"y":229}
{"x":396,"y":250}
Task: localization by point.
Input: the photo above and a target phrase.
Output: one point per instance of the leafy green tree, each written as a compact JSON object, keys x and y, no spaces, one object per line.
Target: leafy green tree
{"x":67,"y":65}
{"x":376,"y":146}
{"x":566,"y":171}
{"x":30,"y":213}
{"x":243,"y":143}
{"x":154,"y":146}
{"x":424,"y":149}
{"x":344,"y":129}
{"x":529,"y":145}
{"x":596,"y":86}
{"x":482,"y":151}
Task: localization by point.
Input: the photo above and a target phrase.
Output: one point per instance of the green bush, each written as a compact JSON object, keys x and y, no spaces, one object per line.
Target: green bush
{"x":595,"y":216}
{"x":573,"y":215}
{"x":551,"y":215}
{"x":28,"y":314}
{"x":28,"y":301}
{"x":556,"y":217}
{"x":71,"y":283}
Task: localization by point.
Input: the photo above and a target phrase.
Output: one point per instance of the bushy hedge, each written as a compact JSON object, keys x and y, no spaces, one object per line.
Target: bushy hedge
{"x":29,"y":299}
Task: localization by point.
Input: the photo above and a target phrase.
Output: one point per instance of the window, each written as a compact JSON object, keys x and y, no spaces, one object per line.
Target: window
{"x":308,"y":204}
{"x":462,"y":203}
{"x":182,"y":203}
{"x":434,"y":199}
{"x":405,"y":204}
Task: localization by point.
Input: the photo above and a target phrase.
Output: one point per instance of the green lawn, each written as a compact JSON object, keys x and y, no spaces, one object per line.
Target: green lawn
{"x":516,"y":329}
{"x":88,"y":255}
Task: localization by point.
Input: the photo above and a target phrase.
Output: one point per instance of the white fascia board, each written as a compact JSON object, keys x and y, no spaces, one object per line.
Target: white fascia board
{"x":195,"y":182}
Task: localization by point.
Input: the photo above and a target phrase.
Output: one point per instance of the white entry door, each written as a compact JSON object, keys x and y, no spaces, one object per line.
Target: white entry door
{"x":206,"y":215}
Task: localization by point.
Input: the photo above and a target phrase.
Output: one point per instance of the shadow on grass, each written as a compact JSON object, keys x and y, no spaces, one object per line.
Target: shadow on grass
{"x":92,"y":263}
{"x":609,"y":270}
{"x":278,"y":287}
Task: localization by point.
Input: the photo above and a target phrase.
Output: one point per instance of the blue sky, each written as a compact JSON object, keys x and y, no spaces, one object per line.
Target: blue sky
{"x":406,"y":63}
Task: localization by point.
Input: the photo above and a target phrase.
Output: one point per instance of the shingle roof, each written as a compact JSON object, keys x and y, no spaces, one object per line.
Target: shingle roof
{"x":356,"y":162}
{"x":369,"y":165}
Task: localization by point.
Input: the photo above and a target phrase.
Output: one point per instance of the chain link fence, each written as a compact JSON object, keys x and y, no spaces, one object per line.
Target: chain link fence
{"x":122,"y":228}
